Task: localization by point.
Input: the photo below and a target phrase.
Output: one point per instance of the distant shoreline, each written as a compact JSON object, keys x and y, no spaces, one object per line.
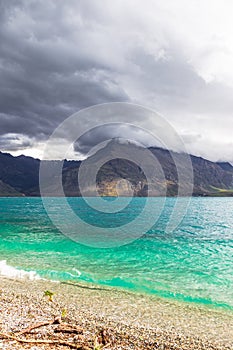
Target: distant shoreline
{"x":227,"y":194}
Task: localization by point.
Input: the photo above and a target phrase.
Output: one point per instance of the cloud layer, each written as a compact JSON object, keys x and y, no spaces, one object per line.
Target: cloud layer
{"x":57,"y":57}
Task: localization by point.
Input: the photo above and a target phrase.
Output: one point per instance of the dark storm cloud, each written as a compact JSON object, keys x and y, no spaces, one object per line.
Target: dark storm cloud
{"x":123,"y":132}
{"x":45,"y":75}
{"x":57,"y":57}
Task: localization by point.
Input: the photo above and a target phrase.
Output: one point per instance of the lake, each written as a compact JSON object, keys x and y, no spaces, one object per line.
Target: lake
{"x":193,"y":263}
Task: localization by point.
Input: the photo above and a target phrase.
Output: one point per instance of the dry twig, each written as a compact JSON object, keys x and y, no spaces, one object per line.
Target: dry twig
{"x":42,"y":341}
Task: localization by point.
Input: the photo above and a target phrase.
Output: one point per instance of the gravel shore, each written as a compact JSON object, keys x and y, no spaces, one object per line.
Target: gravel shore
{"x":91,"y":317}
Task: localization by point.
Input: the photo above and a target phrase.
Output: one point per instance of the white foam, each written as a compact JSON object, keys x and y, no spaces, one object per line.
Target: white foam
{"x":12,"y":272}
{"x":77,"y":272}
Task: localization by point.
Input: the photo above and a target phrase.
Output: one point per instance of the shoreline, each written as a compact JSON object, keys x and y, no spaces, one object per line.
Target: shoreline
{"x":21,"y":274}
{"x":135,"y":321}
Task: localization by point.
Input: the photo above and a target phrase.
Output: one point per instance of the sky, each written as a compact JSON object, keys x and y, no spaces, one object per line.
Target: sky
{"x":58,"y":57}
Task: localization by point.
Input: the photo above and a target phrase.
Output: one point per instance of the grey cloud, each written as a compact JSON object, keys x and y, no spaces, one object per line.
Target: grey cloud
{"x":98,"y":135}
{"x":57,"y":57}
{"x":175,"y":87}
{"x":191,"y":138}
{"x":14,"y":142}
{"x":45,"y":75}
{"x":171,"y":77}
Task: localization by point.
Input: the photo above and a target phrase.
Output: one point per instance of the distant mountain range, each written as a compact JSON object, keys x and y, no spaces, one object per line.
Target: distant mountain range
{"x":19,"y":176}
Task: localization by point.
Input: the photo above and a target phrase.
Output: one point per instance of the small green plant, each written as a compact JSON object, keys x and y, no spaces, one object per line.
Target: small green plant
{"x":63,"y":313}
{"x":49,"y":294}
{"x":97,"y":345}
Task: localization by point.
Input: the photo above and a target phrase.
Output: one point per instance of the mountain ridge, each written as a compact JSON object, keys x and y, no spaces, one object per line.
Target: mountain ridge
{"x":120,"y":175}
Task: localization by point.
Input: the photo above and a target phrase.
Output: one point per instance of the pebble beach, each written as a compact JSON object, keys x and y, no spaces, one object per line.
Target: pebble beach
{"x":86,"y":316}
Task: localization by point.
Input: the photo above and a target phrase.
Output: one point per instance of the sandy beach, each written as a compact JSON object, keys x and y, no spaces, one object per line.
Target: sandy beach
{"x":91,"y":317}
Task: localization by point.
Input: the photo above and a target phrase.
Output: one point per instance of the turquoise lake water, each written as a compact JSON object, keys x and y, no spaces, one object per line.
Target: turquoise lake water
{"x":194,"y":263}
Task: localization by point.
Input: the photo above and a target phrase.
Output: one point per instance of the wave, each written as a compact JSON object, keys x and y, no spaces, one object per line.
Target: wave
{"x":53,"y":276}
{"x":62,"y":275}
{"x":12,"y":272}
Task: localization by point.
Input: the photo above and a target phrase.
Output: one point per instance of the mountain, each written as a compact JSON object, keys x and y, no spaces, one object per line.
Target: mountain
{"x":138,"y":172}
{"x":225,"y":166}
{"x":123,"y":176}
{"x":22,"y":173}
{"x":8,"y":191}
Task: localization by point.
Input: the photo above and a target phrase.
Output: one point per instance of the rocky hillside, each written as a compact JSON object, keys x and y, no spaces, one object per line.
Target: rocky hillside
{"x":8,"y":191}
{"x":155,"y":174}
{"x":124,"y":177}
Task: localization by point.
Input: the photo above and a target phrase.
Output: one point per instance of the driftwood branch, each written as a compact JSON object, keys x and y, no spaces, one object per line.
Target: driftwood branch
{"x":41,"y":341}
{"x":101,"y":341}
{"x":35,"y":326}
{"x":66,"y":328}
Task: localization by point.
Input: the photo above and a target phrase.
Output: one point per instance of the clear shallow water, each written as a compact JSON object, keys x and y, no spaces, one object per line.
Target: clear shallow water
{"x":193,"y":264}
